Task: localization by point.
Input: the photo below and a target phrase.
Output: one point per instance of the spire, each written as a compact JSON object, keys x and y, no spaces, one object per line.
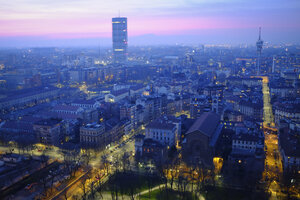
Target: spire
{"x":259,"y":33}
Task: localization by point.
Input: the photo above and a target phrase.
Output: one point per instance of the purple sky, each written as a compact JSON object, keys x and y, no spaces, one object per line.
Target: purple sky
{"x":88,"y":22}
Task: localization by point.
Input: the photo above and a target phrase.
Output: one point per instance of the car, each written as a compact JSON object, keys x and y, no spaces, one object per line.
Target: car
{"x":29,"y":186}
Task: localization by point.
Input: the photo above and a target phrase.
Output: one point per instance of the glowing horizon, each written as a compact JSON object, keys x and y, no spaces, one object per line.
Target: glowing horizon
{"x":67,"y":19}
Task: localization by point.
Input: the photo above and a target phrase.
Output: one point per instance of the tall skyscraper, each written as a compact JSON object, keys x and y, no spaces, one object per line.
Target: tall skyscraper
{"x":259,"y":45}
{"x":119,"y":36}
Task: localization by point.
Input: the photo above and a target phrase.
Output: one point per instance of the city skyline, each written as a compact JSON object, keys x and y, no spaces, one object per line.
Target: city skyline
{"x":83,"y":23}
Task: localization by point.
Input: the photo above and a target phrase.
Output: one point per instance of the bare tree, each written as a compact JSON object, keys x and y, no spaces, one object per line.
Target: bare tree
{"x":174,"y":172}
{"x":83,"y":186}
{"x":65,"y":194}
{"x":105,"y":164}
{"x":125,"y":161}
{"x":86,"y":156}
{"x":52,"y":176}
{"x":44,"y":181}
{"x":192,"y":172}
{"x":114,"y":191}
{"x":92,"y":190}
{"x":201,"y":175}
{"x":132,"y":192}
{"x":99,"y":188}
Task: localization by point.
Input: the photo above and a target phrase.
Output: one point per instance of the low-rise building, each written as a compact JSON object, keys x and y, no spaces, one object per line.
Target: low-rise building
{"x":247,"y":146}
{"x":286,"y":111}
{"x":289,"y":145}
{"x":30,"y":96}
{"x":250,"y":109}
{"x":48,"y":131}
{"x":116,"y":96}
{"x":147,"y":148}
{"x":198,"y":105}
{"x":128,"y":112}
{"x":165,"y":130}
{"x":67,"y":109}
{"x":253,"y":143}
{"x":92,"y":135}
{"x":86,"y":104}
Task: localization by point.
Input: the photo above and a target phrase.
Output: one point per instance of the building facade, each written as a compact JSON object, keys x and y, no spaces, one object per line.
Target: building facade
{"x":48,"y":131}
{"x":162,"y":132}
{"x":92,"y":135}
{"x":199,"y":143}
{"x":120,"y":39}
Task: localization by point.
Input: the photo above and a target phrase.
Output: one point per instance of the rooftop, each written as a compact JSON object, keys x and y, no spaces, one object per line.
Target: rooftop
{"x":206,"y":124}
{"x":84,"y":101}
{"x":66,"y":107}
{"x":48,"y":122}
{"x":160,"y":125}
{"x":119,"y":92}
{"x":93,"y":126}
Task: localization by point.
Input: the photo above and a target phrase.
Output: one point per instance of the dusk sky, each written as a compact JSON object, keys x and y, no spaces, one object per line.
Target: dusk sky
{"x":88,"y":22}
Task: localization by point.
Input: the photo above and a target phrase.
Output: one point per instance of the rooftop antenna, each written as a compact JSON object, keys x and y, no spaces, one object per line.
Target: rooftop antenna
{"x":119,"y":13}
{"x":259,"y":46}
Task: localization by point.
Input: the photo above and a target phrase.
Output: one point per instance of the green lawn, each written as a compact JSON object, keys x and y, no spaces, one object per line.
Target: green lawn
{"x":215,"y":193}
{"x":168,"y":195}
{"x":127,"y":183}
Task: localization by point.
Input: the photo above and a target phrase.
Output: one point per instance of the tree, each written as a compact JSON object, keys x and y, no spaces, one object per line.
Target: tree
{"x":44,"y":159}
{"x":52,"y":175}
{"x":99,"y":187}
{"x":201,"y":175}
{"x":132,"y":192}
{"x":114,"y":190}
{"x":149,"y":182}
{"x":86,"y":156}
{"x":174,"y":171}
{"x":105,"y":163}
{"x":44,"y":181}
{"x":118,"y":164}
{"x":92,"y":189}
{"x":192,"y":172}
{"x":125,"y":161}
{"x":65,"y":194}
{"x":83,"y":186}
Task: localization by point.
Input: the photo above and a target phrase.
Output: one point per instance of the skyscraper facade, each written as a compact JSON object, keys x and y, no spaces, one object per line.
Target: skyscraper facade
{"x":120,"y":39}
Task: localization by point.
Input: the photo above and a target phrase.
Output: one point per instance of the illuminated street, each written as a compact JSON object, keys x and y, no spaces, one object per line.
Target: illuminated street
{"x":273,"y":166}
{"x":268,"y":113}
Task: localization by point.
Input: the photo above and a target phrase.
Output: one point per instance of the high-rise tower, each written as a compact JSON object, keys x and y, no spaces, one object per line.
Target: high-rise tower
{"x":259,"y":45}
{"x":119,"y":37}
{"x":273,"y":65}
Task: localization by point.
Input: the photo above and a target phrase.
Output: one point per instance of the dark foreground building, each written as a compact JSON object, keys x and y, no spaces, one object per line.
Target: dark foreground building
{"x":198,"y":146}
